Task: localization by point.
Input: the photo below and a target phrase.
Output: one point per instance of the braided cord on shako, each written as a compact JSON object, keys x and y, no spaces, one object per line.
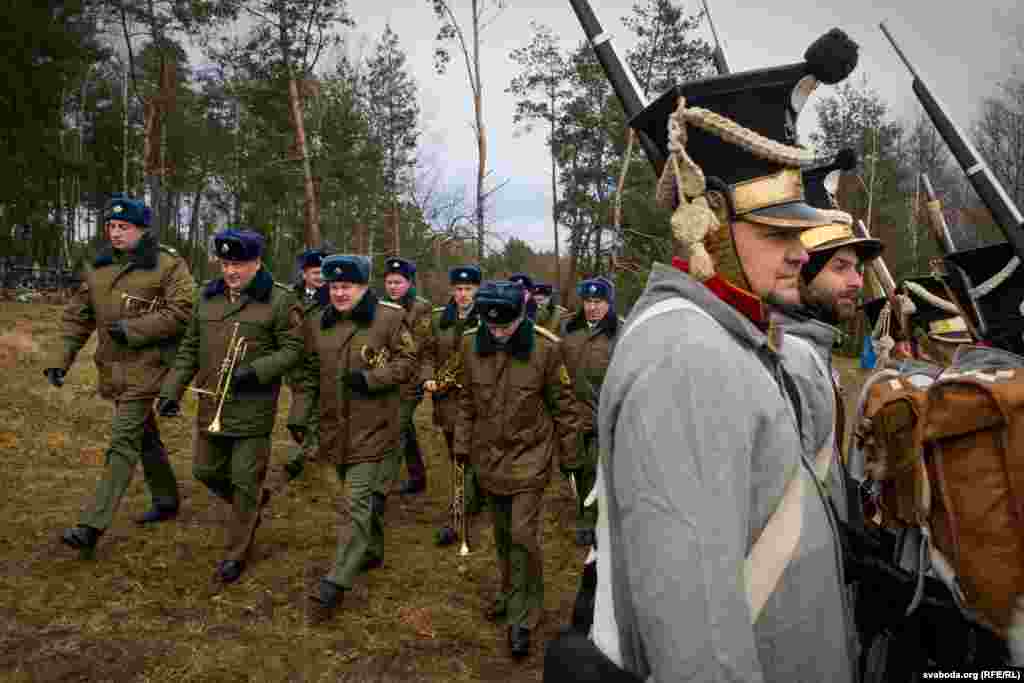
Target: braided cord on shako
{"x":693,"y":218}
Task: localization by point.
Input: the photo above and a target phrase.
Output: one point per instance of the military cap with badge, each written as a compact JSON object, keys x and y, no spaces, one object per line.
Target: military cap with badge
{"x":312,"y":258}
{"x":523,"y":280}
{"x":352,"y":268}
{"x":406,"y":269}
{"x":121,"y":207}
{"x":232,"y":244}
{"x":596,"y":288}
{"x":500,"y":302}
{"x":465,"y":275}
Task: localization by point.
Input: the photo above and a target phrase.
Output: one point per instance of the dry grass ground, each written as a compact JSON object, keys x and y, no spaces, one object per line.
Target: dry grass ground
{"x":147,"y":610}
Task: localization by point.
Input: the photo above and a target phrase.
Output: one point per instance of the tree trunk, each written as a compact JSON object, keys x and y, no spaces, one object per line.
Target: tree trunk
{"x":554,"y":203}
{"x":481,"y":138}
{"x":312,"y":212}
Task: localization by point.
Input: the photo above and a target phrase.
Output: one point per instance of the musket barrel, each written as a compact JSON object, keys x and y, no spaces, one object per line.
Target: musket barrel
{"x":618,"y":73}
{"x":877,"y":265}
{"x":1006,"y":214}
{"x":935,"y":217}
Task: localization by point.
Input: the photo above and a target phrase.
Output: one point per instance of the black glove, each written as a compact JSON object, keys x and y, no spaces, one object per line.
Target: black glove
{"x":167,"y":407}
{"x":356,"y":381}
{"x":117,"y":332}
{"x":55,"y":376}
{"x":298,"y":434}
{"x":420,"y":391}
{"x":244,"y":379}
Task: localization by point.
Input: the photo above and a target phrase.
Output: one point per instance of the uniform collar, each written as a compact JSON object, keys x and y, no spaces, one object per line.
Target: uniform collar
{"x":519,"y":346}
{"x":144,"y":256}
{"x":258,"y":289}
{"x":364,"y":312}
{"x":750,"y":306}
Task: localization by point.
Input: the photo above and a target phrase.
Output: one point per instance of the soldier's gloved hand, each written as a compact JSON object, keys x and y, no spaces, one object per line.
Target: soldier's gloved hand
{"x":355,"y":380}
{"x":117,"y":332}
{"x":167,"y":407}
{"x":55,"y":376}
{"x":244,"y":379}
{"x":298,"y":434}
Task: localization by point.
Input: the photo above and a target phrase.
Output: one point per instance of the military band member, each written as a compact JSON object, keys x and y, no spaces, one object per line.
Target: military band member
{"x":550,"y":315}
{"x":313,"y":298}
{"x":137,"y":296}
{"x":448,"y":324}
{"x":361,"y":354}
{"x":232,"y":461}
{"x":400,"y":288}
{"x":515,"y":404}
{"x":587,"y":341}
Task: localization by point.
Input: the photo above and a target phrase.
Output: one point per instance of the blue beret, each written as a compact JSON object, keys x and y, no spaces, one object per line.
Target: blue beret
{"x":237,"y":245}
{"x":121,"y":207}
{"x":500,"y":302}
{"x":346,"y":268}
{"x":465,"y":275}
{"x":542,"y":289}
{"x":311,"y":258}
{"x":523,"y":279}
{"x":595,"y":288}
{"x":406,"y":269}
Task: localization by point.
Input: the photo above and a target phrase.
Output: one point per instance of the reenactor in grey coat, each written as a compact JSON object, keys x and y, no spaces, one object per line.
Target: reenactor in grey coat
{"x":137,"y":296}
{"x":232,"y":431}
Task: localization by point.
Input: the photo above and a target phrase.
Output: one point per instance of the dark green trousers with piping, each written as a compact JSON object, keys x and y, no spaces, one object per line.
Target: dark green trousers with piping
{"x":233,"y":469}
{"x":366,"y":539}
{"x":517,"y":540}
{"x":134,"y":437}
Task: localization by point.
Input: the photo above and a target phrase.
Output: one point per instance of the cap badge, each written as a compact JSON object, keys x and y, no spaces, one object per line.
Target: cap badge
{"x":396,"y":264}
{"x":118,"y":208}
{"x":593,"y":289}
{"x":463,"y":275}
{"x":493,"y":313}
{"x":224,"y":248}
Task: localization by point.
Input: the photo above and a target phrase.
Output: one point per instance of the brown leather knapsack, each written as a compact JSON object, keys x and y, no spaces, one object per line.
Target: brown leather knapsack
{"x":949,"y":458}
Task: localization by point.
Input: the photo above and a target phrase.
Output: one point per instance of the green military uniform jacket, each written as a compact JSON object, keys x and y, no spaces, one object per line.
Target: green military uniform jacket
{"x":441,"y":344}
{"x":131,"y":371}
{"x":417,"y":318}
{"x":270,"y":320}
{"x":550,"y":317}
{"x":516,"y":408}
{"x":587,"y":354}
{"x":356,"y":428}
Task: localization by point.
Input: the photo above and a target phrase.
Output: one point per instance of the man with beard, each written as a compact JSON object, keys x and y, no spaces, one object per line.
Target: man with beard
{"x":400,"y":286}
{"x":361,"y":353}
{"x":516,"y":410}
{"x":137,"y":297}
{"x":448,"y":324}
{"x":231,"y":457}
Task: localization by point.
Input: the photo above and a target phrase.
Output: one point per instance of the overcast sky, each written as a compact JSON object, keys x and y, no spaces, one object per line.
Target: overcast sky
{"x":961,"y":50}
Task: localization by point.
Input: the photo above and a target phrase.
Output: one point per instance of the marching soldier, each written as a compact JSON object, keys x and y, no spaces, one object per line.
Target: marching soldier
{"x":550,"y":315}
{"x":361,"y":354}
{"x":313,"y":298}
{"x":399,"y":284}
{"x":232,"y":432}
{"x":448,"y":324}
{"x":526,"y":282}
{"x":137,"y":297}
{"x":587,"y":341}
{"x":516,"y":402}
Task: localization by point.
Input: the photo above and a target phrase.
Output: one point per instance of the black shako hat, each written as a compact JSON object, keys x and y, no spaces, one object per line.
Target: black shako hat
{"x":742,"y":131}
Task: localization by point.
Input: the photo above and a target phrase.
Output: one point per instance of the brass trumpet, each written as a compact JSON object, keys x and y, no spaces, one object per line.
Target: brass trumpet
{"x":132,"y":304}
{"x":447,"y":375}
{"x":375,"y":359}
{"x":236,"y":351}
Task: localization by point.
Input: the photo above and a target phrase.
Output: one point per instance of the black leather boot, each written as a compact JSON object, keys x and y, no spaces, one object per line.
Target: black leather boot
{"x":519,"y":640}
{"x":325,"y":600}
{"x":82,"y":538}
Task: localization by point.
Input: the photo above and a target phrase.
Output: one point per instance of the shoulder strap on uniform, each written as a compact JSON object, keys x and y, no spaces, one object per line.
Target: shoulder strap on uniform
{"x":388,"y":304}
{"x":543,"y":331}
{"x":438,"y":309}
{"x":167,"y":249}
{"x":472,"y":331}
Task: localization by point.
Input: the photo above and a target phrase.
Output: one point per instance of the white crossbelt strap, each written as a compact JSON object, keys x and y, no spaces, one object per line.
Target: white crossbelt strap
{"x":766,"y":561}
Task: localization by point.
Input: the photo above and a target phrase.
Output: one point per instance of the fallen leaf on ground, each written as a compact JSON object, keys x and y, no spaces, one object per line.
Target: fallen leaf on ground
{"x":419,"y":619}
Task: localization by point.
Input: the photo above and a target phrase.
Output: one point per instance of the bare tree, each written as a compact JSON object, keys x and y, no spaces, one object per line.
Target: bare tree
{"x":452,"y":32}
{"x":999,"y":135}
